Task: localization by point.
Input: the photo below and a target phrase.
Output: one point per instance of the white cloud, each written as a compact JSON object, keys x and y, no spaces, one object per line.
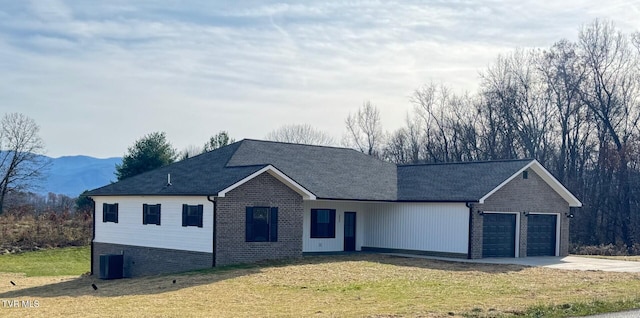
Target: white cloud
{"x":97,"y":76}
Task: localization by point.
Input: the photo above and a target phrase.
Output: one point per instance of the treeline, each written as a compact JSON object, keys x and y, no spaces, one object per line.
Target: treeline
{"x":32,"y":221}
{"x":575,"y":107}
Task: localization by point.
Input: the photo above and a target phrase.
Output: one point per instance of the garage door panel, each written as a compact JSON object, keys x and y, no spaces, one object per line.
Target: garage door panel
{"x":499,"y":235}
{"x":541,"y":234}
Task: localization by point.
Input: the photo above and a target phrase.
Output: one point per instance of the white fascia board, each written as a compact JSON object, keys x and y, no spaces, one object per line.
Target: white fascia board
{"x":306,"y":194}
{"x":547,"y":177}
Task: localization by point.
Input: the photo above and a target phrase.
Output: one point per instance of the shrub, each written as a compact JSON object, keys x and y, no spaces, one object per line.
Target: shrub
{"x":606,"y":249}
{"x":23,"y":230}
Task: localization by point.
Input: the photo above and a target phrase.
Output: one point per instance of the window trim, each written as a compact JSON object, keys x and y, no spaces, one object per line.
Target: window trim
{"x":186,"y":208}
{"x":106,"y":211}
{"x":145,"y":211}
{"x":313,"y":233}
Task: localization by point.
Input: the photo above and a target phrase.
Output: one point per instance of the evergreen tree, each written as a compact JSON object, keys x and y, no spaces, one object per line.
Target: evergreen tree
{"x":150,"y":152}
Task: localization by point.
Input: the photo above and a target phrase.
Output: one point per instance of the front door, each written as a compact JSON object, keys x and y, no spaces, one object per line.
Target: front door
{"x":349,"y":231}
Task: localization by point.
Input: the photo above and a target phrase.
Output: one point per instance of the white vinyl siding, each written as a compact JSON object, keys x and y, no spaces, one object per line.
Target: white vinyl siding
{"x":332,"y":244}
{"x":436,"y":227}
{"x":170,"y":234}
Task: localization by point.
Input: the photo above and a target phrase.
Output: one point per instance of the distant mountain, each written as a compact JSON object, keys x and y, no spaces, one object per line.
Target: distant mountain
{"x":73,"y":174}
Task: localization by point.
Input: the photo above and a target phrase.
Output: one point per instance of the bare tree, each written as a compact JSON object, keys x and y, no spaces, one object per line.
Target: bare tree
{"x":21,"y":149}
{"x":301,"y":134}
{"x":364,"y":130}
{"x":635,"y":39}
{"x":575,"y":107}
{"x":396,"y":149}
{"x":449,"y":131}
{"x":516,"y":95}
{"x":405,"y":145}
{"x":414,"y":139}
{"x":612,"y":93}
{"x":564,"y":74}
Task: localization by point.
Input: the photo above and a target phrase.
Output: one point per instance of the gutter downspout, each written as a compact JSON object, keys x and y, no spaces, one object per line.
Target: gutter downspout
{"x":93,"y":231}
{"x":215,"y":215}
{"x":470,"y":206}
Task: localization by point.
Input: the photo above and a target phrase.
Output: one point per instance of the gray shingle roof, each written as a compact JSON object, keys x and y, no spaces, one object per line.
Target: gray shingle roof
{"x":458,"y":182}
{"x":205,"y":174}
{"x":327,"y":172}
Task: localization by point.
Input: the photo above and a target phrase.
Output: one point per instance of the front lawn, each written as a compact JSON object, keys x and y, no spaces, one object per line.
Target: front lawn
{"x":50,"y":262}
{"x":357,"y":285}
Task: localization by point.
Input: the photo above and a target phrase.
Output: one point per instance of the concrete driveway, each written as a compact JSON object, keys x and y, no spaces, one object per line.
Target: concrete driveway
{"x":567,"y":262}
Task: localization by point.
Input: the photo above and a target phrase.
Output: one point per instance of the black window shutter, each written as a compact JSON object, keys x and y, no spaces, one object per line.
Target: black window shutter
{"x":185,"y":209}
{"x":249,"y":225}
{"x":314,"y":222}
{"x":144,"y":214}
{"x":273,"y":223}
{"x":104,"y":212}
{"x":117,"y":212}
{"x":332,"y":223}
{"x":200,"y":214}
{"x":158,"y":214}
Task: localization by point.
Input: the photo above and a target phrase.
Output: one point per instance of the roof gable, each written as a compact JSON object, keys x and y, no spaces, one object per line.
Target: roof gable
{"x":306,"y":195}
{"x":469,"y":181}
{"x":544,"y":175}
{"x":455,"y":182}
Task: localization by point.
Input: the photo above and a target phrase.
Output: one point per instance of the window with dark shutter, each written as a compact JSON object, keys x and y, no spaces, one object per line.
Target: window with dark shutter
{"x":192,"y":215}
{"x":323,"y":223}
{"x":151,"y":214}
{"x":261,"y":224}
{"x":110,"y":212}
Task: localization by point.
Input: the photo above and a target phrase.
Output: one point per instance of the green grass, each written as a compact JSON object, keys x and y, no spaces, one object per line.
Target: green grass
{"x":355,"y":285}
{"x":50,"y":262}
{"x":575,"y":309}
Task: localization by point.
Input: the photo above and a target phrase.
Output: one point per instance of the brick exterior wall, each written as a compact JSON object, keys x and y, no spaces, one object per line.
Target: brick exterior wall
{"x":522,"y":195}
{"x":263,"y":190}
{"x":143,"y":261}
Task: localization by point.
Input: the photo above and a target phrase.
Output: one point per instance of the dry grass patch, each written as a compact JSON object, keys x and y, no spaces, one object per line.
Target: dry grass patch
{"x":339,"y":286}
{"x":617,"y":258}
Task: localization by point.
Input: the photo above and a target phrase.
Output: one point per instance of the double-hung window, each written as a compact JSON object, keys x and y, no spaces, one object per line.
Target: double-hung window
{"x":110,"y":212}
{"x":151,"y":214}
{"x":192,"y":215}
{"x":261,"y":224}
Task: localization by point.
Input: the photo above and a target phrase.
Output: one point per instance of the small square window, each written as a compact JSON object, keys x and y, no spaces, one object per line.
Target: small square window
{"x":151,"y":214}
{"x":192,"y":215}
{"x":110,"y":212}
{"x":525,"y":174}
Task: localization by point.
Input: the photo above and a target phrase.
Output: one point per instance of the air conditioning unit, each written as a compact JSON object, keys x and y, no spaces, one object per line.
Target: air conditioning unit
{"x":111,"y":266}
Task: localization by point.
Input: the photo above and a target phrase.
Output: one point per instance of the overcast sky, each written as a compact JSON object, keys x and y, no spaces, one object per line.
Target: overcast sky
{"x":97,"y":75}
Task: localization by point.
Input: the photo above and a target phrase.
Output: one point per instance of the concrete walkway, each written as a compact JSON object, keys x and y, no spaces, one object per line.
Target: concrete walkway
{"x":622,"y":314}
{"x":567,"y":262}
